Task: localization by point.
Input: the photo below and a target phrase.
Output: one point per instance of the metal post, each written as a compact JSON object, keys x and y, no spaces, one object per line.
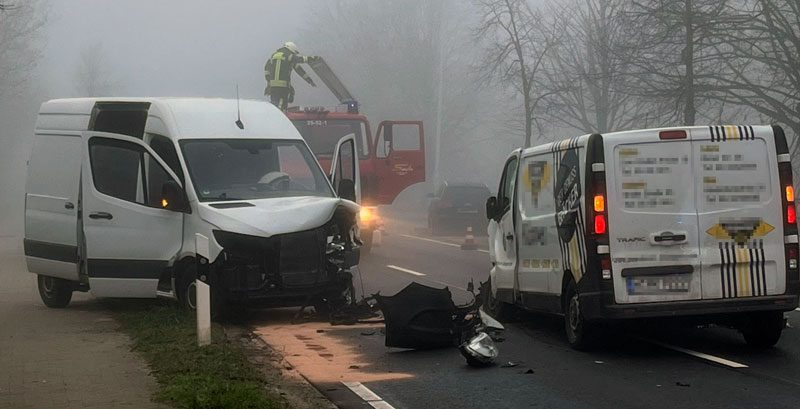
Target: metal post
{"x":203,"y":313}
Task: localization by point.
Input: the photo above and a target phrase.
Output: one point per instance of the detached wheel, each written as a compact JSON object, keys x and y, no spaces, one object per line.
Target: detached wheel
{"x":55,"y":292}
{"x":579,"y":332}
{"x":764,"y":329}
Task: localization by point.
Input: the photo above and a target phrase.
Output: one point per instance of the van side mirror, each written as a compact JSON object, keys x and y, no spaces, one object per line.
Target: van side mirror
{"x":491,"y":206}
{"x":173,"y":198}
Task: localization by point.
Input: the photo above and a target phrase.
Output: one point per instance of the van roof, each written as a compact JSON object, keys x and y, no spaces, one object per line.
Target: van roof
{"x":614,"y":137}
{"x":186,"y":117}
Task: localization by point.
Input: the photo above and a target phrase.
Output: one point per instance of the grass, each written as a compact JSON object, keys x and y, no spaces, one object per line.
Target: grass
{"x":210,"y":377}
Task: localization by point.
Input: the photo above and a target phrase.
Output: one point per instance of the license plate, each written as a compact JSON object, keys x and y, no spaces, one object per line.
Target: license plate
{"x":659,"y":285}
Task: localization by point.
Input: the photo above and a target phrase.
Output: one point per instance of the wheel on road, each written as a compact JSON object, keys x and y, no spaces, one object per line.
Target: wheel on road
{"x":580,"y":333}
{"x":55,"y":292}
{"x":763,"y":330}
{"x":500,"y":310}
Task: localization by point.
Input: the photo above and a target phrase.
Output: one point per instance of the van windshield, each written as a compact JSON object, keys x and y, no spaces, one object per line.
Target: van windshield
{"x":247,"y":169}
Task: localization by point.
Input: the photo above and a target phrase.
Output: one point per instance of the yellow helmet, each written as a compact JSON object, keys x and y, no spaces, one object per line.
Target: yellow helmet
{"x":290,"y":45}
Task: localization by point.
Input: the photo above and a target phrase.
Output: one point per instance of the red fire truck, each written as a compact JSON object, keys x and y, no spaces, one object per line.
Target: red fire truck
{"x":390,"y":161}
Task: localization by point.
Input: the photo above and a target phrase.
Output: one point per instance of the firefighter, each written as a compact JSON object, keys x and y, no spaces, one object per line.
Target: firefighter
{"x":278,"y":73}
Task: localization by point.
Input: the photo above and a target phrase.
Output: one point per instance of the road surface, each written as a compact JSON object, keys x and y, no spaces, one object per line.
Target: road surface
{"x":654,"y":368}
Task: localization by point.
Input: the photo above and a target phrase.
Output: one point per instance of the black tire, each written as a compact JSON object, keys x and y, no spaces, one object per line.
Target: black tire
{"x":763,"y":330}
{"x":185,"y":287}
{"x":55,"y":292}
{"x":500,"y":310}
{"x":580,"y":334}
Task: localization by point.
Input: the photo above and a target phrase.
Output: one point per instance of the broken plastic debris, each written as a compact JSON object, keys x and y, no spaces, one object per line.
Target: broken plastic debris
{"x":354,"y":367}
{"x":509,"y":364}
{"x":370,"y":332}
{"x":599,"y":362}
{"x":686,"y":385}
{"x":528,"y":372}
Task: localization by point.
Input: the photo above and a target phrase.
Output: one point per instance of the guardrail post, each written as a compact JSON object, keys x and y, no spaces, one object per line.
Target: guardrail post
{"x":203,"y":313}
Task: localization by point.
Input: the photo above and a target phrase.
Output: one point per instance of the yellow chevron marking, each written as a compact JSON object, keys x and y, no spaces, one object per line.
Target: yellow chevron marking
{"x":762,"y":229}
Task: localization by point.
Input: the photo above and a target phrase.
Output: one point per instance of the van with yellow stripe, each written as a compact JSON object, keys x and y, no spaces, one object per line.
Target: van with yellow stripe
{"x":695,"y":222}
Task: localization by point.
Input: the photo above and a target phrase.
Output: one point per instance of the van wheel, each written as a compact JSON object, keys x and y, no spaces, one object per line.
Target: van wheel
{"x":579,"y":332}
{"x":763,"y":330}
{"x":500,"y":310}
{"x":185,"y":291}
{"x":55,"y":292}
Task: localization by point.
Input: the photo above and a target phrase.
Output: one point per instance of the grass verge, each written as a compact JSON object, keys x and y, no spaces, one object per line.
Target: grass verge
{"x":211,"y":377}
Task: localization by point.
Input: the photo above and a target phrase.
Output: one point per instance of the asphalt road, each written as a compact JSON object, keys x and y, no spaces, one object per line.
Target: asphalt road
{"x":655,"y":367}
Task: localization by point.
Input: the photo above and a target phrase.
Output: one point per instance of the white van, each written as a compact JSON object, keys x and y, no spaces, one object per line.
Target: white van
{"x":692,"y":222}
{"x":140,"y":197}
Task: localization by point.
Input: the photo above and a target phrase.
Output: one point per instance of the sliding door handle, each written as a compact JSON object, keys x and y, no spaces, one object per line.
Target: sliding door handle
{"x":101,"y":215}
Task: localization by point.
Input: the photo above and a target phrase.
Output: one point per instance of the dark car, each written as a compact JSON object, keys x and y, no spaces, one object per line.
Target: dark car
{"x":458,"y":206}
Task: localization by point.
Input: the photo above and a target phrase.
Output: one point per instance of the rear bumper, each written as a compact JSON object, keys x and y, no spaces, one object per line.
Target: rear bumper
{"x":595,"y":307}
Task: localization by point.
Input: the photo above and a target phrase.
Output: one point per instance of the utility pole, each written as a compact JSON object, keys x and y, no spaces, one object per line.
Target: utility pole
{"x":688,"y":59}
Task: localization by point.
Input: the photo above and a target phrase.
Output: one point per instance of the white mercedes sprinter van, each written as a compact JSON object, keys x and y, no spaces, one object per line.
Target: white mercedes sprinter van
{"x":140,"y":197}
{"x":694,"y":222}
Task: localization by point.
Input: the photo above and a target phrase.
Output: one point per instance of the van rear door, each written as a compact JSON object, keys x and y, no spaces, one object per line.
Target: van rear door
{"x":652,"y":217}
{"x":740,"y":211}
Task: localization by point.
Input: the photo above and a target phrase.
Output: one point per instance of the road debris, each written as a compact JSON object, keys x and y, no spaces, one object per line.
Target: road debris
{"x":368,"y":333}
{"x":509,"y":364}
{"x":685,"y":385}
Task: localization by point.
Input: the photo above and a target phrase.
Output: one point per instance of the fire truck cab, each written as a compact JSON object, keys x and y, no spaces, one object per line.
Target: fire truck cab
{"x":390,"y":161}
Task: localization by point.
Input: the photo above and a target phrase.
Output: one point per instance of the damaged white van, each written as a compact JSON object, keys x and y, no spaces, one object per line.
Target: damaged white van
{"x":141,"y":197}
{"x":695,"y":222}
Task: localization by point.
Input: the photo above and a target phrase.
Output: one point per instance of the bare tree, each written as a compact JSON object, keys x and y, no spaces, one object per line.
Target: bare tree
{"x":675,"y":44}
{"x":94,"y":77}
{"x":587,"y":70}
{"x":761,"y":55}
{"x":20,"y":43}
{"x":517,"y":40}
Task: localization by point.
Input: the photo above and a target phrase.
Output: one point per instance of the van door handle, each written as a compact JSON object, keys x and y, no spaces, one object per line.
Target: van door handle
{"x":101,"y":215}
{"x":668,"y":238}
{"x":69,"y":205}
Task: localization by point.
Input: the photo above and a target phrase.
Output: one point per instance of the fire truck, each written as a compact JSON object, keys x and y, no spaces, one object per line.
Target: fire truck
{"x":390,"y":160}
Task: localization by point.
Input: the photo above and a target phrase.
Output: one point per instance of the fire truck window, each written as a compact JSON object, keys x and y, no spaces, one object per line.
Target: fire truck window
{"x":405,"y":137}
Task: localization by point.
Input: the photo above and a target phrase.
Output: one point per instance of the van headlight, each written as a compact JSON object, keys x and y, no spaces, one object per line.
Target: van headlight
{"x":368,"y":214}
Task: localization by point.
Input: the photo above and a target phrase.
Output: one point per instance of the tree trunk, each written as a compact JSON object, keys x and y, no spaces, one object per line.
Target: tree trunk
{"x":688,"y":60}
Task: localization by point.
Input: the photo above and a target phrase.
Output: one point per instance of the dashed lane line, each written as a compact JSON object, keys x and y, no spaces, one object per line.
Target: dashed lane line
{"x":417,"y":273}
{"x":405,"y":270}
{"x":431,"y":240}
{"x":439,"y":242}
{"x":367,"y":395}
{"x":707,"y":357}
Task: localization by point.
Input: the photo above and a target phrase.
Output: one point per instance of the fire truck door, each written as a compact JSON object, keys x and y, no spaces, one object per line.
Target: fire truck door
{"x":400,"y":152}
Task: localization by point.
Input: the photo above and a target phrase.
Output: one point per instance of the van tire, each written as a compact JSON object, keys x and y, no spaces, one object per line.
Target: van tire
{"x":500,"y":310}
{"x":763,"y":330}
{"x":580,"y":334}
{"x":185,"y":287}
{"x":55,"y":292}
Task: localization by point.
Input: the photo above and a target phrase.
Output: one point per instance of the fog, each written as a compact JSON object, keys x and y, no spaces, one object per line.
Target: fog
{"x":585,"y":67}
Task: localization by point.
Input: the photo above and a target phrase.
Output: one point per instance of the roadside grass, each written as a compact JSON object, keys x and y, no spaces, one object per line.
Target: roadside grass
{"x":210,"y":377}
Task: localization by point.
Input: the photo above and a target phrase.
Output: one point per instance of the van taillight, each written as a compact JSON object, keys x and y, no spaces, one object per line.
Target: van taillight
{"x":599,"y":203}
{"x":599,"y":224}
{"x":791,"y":254}
{"x":791,"y":214}
{"x":605,"y":265}
{"x":672,"y":135}
{"x":789,"y":194}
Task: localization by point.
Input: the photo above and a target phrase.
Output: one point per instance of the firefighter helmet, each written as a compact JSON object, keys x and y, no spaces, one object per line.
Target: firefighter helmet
{"x":290,"y":45}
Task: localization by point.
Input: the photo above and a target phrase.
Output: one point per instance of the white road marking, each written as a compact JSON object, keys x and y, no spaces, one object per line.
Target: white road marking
{"x":707,"y":357}
{"x":797,"y":309}
{"x":405,"y":270}
{"x":439,"y":242}
{"x":432,"y":240}
{"x":417,"y":273}
{"x":367,"y":395}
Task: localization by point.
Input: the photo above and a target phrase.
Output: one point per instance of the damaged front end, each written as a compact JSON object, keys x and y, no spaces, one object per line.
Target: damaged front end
{"x":310,"y":267}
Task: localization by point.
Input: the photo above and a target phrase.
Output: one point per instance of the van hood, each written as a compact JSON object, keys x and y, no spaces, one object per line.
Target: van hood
{"x":269,"y":217}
